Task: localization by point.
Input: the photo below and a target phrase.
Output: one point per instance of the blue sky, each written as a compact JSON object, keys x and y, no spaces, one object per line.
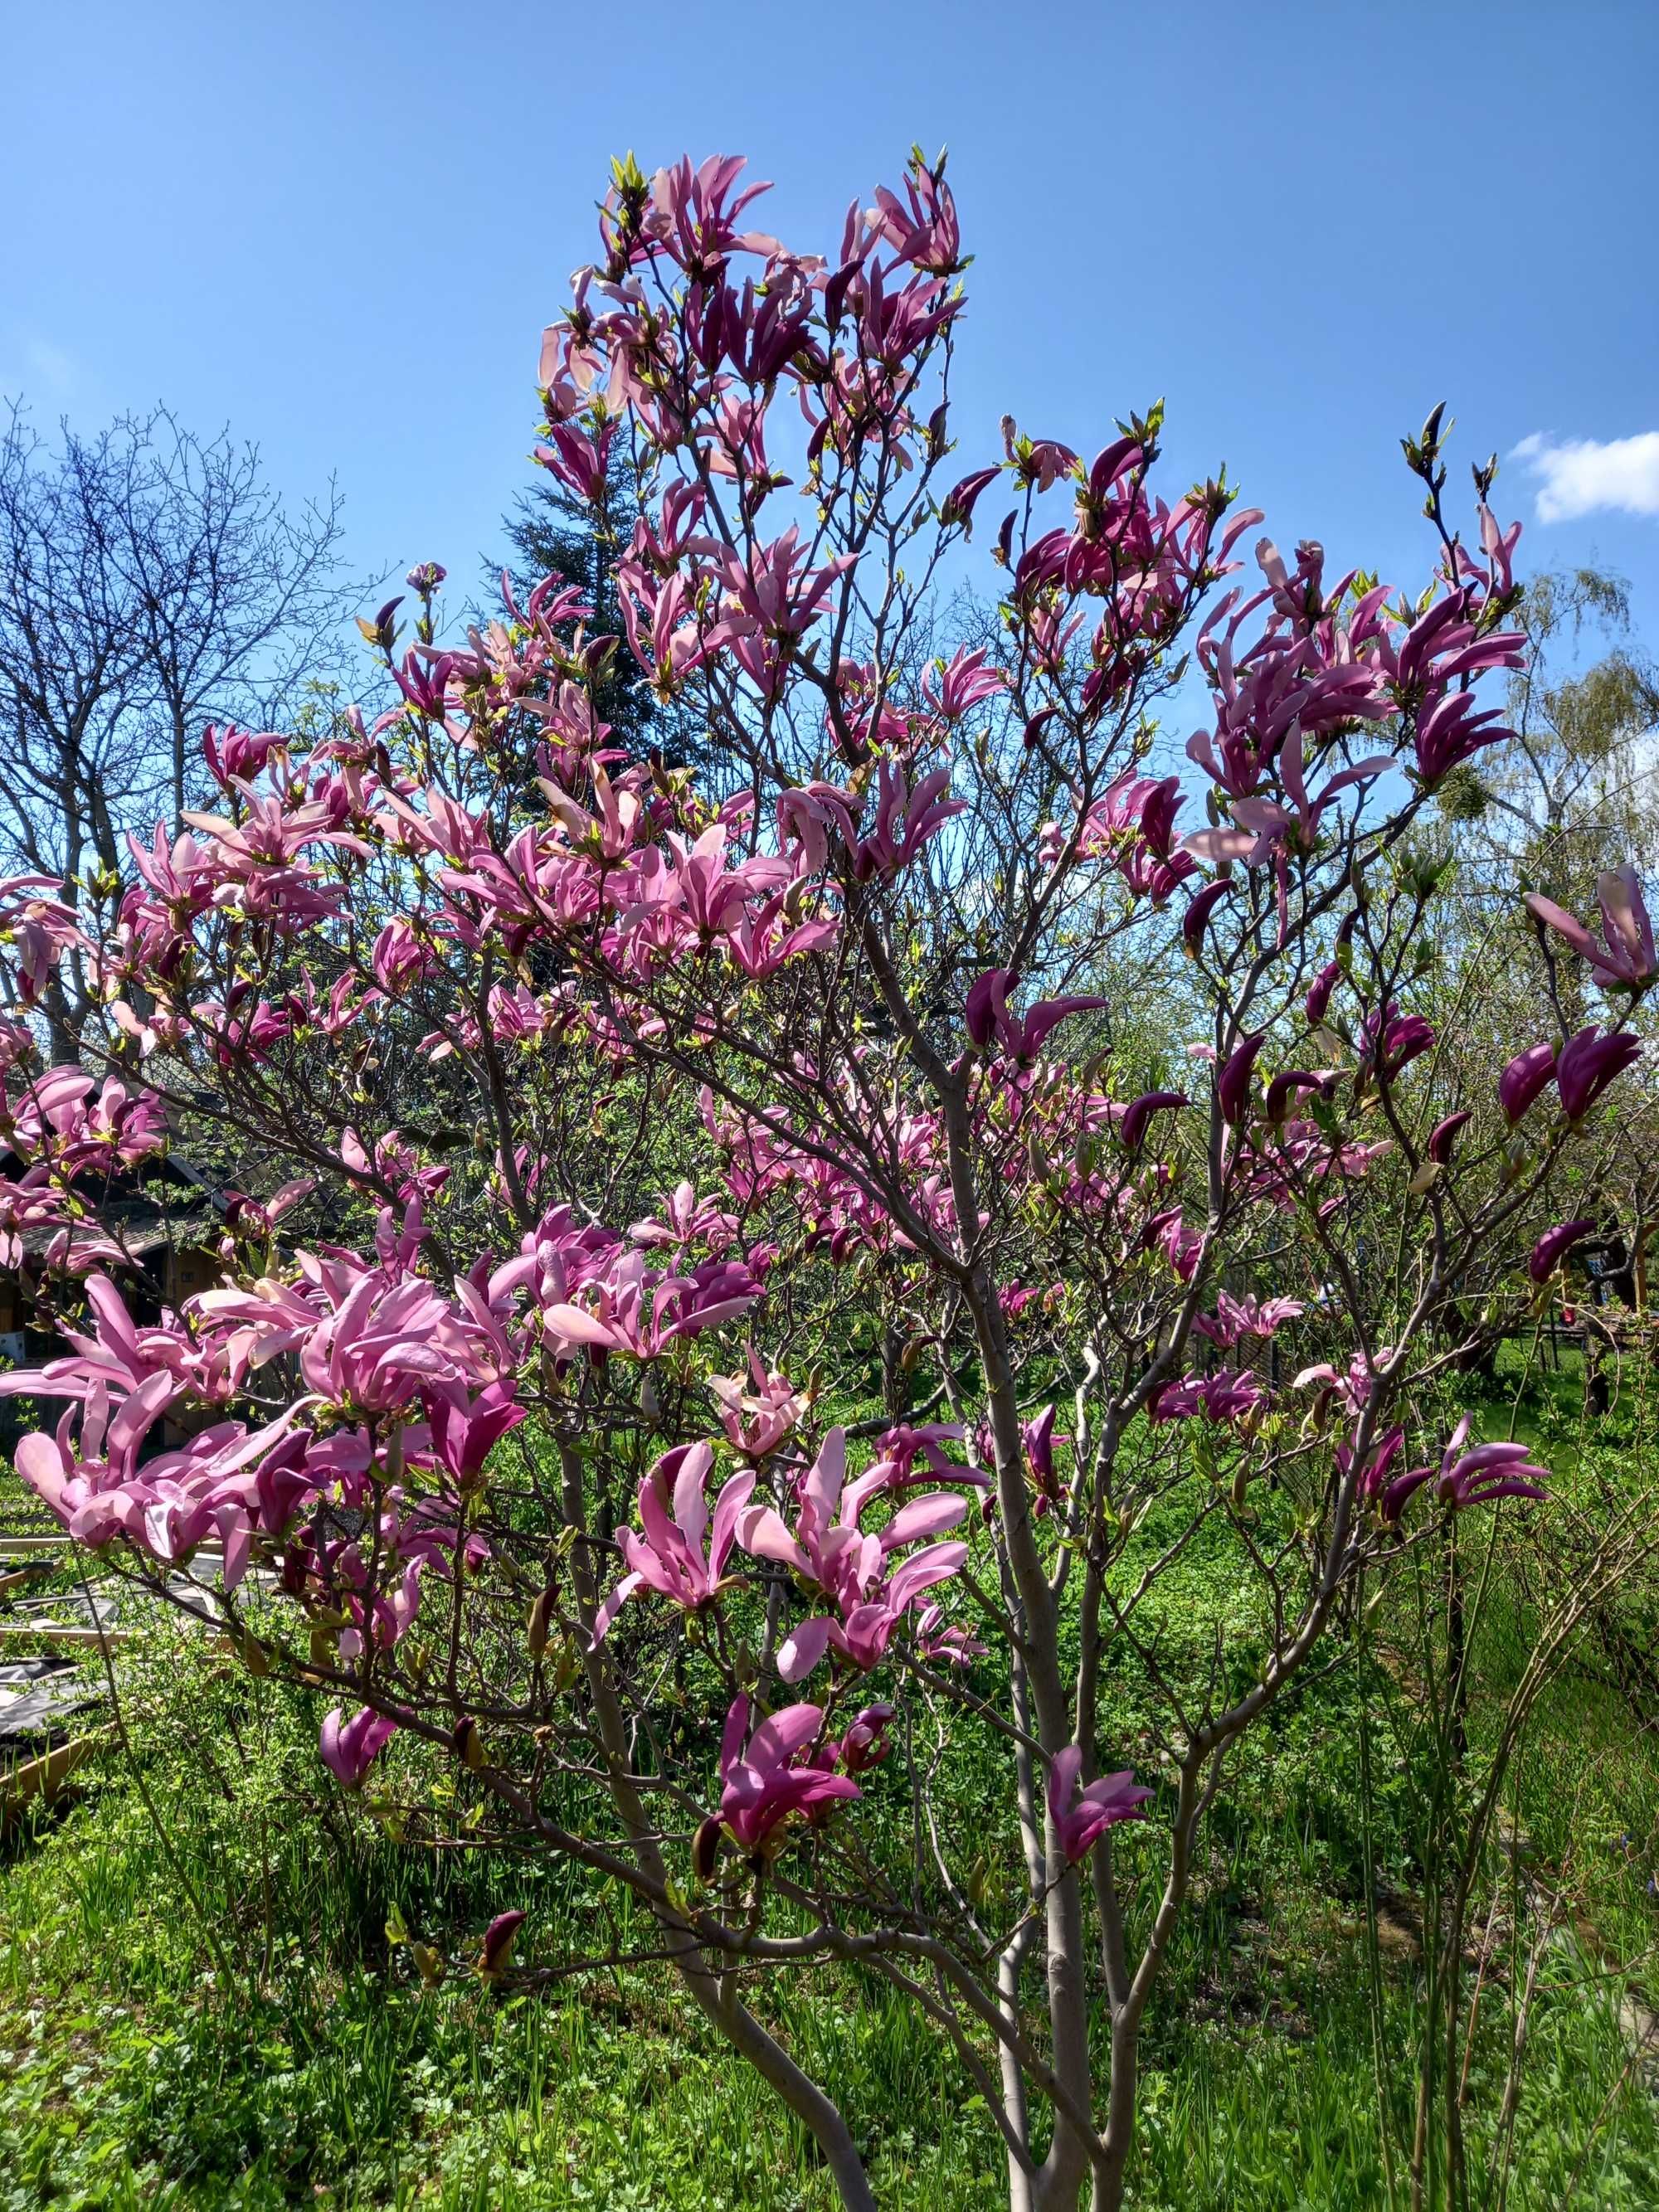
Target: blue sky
{"x":340,"y":230}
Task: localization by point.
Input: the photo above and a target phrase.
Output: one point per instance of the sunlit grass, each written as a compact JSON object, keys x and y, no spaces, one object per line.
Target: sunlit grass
{"x":317,"y":2070}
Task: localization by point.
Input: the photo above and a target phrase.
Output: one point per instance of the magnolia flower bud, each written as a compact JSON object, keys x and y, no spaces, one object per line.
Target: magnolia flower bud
{"x":706,"y":1848}
{"x":497,"y":1954}
{"x":536,"y":1627}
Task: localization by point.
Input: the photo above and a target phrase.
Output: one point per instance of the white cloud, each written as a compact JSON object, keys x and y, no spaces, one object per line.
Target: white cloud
{"x":33,"y":368}
{"x":1577,"y":475}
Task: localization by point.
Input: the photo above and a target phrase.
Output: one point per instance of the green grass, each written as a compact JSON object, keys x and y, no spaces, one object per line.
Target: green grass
{"x":315,"y":2070}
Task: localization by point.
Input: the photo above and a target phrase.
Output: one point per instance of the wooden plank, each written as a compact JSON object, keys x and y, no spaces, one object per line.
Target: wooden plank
{"x":21,"y":1578}
{"x":63,"y":1635}
{"x":45,"y":1777}
{"x":28,"y":1548}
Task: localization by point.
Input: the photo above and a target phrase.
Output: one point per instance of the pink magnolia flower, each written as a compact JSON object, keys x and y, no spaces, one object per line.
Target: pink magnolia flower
{"x":1448,"y":732}
{"x":1498,"y":545}
{"x":167,"y":1506}
{"x":922,"y":228}
{"x":905,"y":820}
{"x":121,"y":1357}
{"x":1039,"y":1439}
{"x":1525,"y":1076}
{"x":864,"y":1744}
{"x":1289,"y":1086}
{"x":1183,"y":1247}
{"x":670,"y":1557}
{"x":772,"y":599}
{"x":1132,"y":1120}
{"x":111,"y":1358}
{"x":901,"y":1447}
{"x":951,"y":690}
{"x":1134,"y":822}
{"x":40,"y":929}
{"x":399,"y":956}
{"x":1350,"y":1387}
{"x":1553,"y":1245}
{"x":374,"y":1352}
{"x":763,"y":1782}
{"x":1232,"y":1081}
{"x":1317,"y":1003}
{"x":1443,"y":1135}
{"x":1080,"y":1820}
{"x":1391,"y":1041}
{"x":1236,"y":1317}
{"x":757,"y":1417}
{"x":629,"y":1310}
{"x":961,"y":500}
{"x":949,"y":1646}
{"x":830,"y":1549}
{"x":1625,"y":954}
{"x":1022,"y":1039}
{"x":350,"y":1748}
{"x":66,"y":1116}
{"x":615,"y":828}
{"x":464,"y":1432}
{"x":693,"y":213}
{"x":1224,"y":1398}
{"x":1463,"y":1479}
{"x":246,"y":1216}
{"x":868,"y":1619}
{"x":1588,"y":1063}
{"x":32,"y":1201}
{"x":762,"y":942}
{"x":1038,"y":462}
{"x":233,"y":755}
{"x":1266,"y":826}
{"x":579,"y":462}
{"x":686,"y":1220}
{"x":499,"y":1938}
{"x":1374,"y":1470}
{"x":714,"y":894}
{"x":1487,"y":1473}
{"x":1201,"y":907}
{"x":263,"y":843}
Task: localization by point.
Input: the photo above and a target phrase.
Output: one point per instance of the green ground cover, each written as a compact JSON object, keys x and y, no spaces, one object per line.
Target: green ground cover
{"x":300,"y":2059}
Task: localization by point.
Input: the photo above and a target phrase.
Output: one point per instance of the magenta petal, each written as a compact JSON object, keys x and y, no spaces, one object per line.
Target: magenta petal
{"x":803,"y":1648}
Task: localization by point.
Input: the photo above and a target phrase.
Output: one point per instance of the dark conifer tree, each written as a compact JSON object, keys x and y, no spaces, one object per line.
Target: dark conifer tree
{"x":552,"y":533}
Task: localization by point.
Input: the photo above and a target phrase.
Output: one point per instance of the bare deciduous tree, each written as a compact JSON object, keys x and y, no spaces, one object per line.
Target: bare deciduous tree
{"x":151,"y":581}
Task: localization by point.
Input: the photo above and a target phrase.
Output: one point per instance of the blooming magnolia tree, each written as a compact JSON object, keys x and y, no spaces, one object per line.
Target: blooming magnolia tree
{"x":541,"y":1470}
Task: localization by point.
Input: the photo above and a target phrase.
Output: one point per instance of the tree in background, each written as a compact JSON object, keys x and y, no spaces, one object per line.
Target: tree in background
{"x":1574,"y":786}
{"x":1568,"y":796}
{"x":553,"y":533}
{"x":151,"y":581}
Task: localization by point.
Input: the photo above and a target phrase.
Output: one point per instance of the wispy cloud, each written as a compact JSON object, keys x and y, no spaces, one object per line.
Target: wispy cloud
{"x":31,"y":368}
{"x":1577,"y":475}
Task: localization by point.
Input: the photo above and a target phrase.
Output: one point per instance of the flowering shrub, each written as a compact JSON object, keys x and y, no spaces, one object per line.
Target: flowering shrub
{"x":555,"y":1491}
